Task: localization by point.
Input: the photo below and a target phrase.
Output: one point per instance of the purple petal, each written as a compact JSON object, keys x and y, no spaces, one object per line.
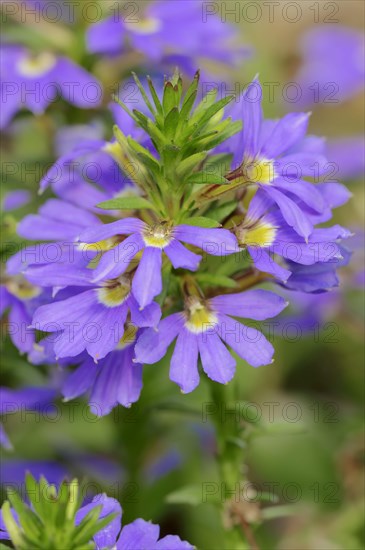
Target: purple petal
{"x":249,"y":343}
{"x":80,"y":380}
{"x":152,"y":345}
{"x":252,"y":118}
{"x":335,"y":194}
{"x":184,"y":362}
{"x":107,"y":537}
{"x":218,"y":242}
{"x":181,"y":257}
{"x":147,"y":281}
{"x":293,"y":215}
{"x":16,"y":199}
{"x":119,"y":381}
{"x":137,"y":535}
{"x":217,"y":362}
{"x":290,"y":129}
{"x":147,"y":317}
{"x":173,"y":542}
{"x":264,"y":262}
{"x":78,"y":86}
{"x":304,"y":190}
{"x":105,"y":37}
{"x":114,"y":262}
{"x":120,"y":227}
{"x":59,"y":275}
{"x":252,"y":304}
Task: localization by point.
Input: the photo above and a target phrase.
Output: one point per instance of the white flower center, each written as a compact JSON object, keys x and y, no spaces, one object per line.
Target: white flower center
{"x":146,"y":25}
{"x":157,"y":236}
{"x":199,"y":318}
{"x":36,"y":66}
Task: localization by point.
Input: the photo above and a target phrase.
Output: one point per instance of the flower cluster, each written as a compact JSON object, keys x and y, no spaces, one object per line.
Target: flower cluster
{"x":187,"y":216}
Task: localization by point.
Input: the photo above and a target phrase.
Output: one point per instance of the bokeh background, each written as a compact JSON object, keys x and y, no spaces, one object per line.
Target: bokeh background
{"x":307,"y":456}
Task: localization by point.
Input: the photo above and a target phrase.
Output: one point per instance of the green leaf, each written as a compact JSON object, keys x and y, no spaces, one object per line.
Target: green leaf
{"x":144,"y":95}
{"x":126,"y":203}
{"x":11,"y":525}
{"x":191,"y":494}
{"x":213,"y":279}
{"x":171,"y":122}
{"x":192,"y":90}
{"x":205,"y":178}
{"x":200,"y":221}
{"x":190,"y":163}
{"x":222,"y":211}
{"x":155,"y":97}
{"x":170,"y":97}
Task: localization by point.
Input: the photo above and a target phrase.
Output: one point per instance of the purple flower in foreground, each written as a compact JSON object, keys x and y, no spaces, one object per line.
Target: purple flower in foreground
{"x":333,"y":64}
{"x":114,"y":380}
{"x":265,"y":233}
{"x":153,"y":240}
{"x":92,"y":320}
{"x":138,"y":535}
{"x":200,"y":330}
{"x":35,"y":81}
{"x":276,"y":156}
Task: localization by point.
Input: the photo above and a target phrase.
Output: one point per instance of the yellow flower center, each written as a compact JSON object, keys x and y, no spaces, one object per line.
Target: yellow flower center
{"x":157,"y":236}
{"x":114,"y":292}
{"x":22,"y":289}
{"x":100,"y":246}
{"x":260,"y":233}
{"x":36,"y":66}
{"x":129,"y":336}
{"x":147,"y":25}
{"x":198,"y":317}
{"x":259,"y":171}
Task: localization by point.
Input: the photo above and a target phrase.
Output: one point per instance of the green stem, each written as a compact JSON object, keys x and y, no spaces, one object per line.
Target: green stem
{"x":230,"y":460}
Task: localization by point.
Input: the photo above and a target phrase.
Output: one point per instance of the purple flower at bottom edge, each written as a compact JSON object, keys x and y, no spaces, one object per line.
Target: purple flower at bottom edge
{"x":134,"y":536}
{"x":200,"y":330}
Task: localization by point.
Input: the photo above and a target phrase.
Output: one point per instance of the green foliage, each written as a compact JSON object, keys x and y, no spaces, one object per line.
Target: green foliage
{"x":49,"y":522}
{"x":183,"y":134}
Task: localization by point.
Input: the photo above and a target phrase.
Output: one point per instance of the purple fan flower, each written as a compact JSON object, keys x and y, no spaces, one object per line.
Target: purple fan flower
{"x":92,"y":320}
{"x":160,"y":34}
{"x":114,"y":380}
{"x":134,"y":536}
{"x":333,"y":65}
{"x":153,"y":240}
{"x":200,"y":330}
{"x":265,"y":233}
{"x":276,"y":156}
{"x":35,"y":81}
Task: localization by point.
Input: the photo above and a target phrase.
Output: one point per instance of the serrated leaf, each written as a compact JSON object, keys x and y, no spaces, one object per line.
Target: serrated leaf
{"x":191,"y":494}
{"x":205,"y":178}
{"x":126,"y":203}
{"x":201,"y":221}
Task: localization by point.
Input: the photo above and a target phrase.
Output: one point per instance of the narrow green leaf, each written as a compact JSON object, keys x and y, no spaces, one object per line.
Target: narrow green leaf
{"x":126,"y":203}
{"x":171,"y":122}
{"x":11,"y":525}
{"x":192,"y":90}
{"x":155,"y":97}
{"x":143,"y":93}
{"x":209,"y":113}
{"x":170,"y":97}
{"x":201,"y":221}
{"x":191,"y":494}
{"x":213,"y":279}
{"x":205,"y":178}
{"x":190,"y":163}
